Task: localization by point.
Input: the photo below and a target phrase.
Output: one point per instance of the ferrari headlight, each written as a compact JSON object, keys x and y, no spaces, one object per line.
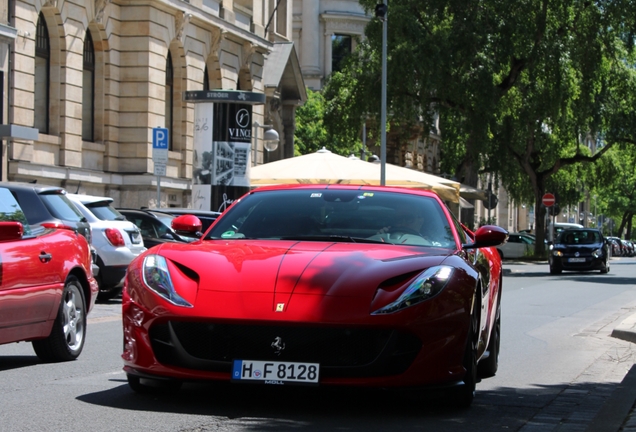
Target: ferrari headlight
{"x":427,"y":285}
{"x":157,"y":278}
{"x":597,"y":253}
{"x":557,"y":253}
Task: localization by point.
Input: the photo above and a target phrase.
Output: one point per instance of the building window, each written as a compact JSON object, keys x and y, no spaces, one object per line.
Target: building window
{"x":42,"y":76}
{"x":281,"y":18}
{"x":340,"y":49}
{"x":88,"y":90}
{"x":169,"y":99}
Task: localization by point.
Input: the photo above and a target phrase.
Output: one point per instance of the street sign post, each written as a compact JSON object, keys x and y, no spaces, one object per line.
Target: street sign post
{"x":549,"y":200}
{"x":159,"y":156}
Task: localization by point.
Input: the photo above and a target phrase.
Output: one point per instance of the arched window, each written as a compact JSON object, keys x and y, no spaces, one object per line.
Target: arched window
{"x":42,"y":76}
{"x":169,"y":99}
{"x":88,"y":90}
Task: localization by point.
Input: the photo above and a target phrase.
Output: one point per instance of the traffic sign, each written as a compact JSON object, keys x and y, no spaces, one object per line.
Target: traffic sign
{"x":548,"y":199}
{"x":160,"y":169}
{"x":160,"y":145}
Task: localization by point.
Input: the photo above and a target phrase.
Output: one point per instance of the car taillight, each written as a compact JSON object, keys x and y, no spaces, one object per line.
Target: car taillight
{"x":114,"y":237}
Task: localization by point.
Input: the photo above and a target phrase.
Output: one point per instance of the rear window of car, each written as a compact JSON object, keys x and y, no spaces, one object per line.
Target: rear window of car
{"x":61,"y":207}
{"x":105,"y":211}
{"x":10,"y":210}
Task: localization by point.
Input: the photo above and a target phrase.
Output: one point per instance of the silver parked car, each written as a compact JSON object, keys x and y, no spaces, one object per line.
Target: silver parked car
{"x":518,"y":245}
{"x":116,"y":240}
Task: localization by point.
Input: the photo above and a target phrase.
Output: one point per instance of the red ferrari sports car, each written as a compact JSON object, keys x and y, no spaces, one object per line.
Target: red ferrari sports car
{"x":319,"y":285}
{"x":47,"y":286}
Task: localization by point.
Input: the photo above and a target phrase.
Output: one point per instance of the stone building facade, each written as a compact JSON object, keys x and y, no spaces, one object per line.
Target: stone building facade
{"x":94,"y":77}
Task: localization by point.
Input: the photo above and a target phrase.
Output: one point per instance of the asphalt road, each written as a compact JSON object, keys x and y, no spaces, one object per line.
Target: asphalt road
{"x":558,"y":366}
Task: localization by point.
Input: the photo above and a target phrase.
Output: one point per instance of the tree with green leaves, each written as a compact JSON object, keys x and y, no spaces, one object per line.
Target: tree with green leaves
{"x":311,"y":134}
{"x":615,"y":187}
{"x":518,"y":85}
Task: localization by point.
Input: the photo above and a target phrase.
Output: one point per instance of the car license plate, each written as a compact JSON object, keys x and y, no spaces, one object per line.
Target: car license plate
{"x":575,"y":260}
{"x":272,"y":372}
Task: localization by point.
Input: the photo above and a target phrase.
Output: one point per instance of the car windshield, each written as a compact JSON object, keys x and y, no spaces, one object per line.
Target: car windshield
{"x":337,"y":215}
{"x":166,"y":219}
{"x":580,"y":237}
{"x":104,"y":211}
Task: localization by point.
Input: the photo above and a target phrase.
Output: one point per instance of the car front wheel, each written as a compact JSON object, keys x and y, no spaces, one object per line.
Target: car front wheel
{"x":466,"y":393}
{"x":488,"y":367}
{"x":555,"y":270}
{"x":66,"y":340}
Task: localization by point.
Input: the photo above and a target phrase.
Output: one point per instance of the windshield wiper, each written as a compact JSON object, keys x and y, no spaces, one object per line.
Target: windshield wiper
{"x":334,"y":238}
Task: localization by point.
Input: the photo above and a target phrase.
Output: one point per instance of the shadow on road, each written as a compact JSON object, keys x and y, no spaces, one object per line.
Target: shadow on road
{"x":266,"y":408}
{"x":588,"y":277}
{"x":17,"y":362}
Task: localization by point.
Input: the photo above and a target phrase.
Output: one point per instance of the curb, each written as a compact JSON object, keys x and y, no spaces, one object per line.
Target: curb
{"x":617,"y":408}
{"x":626,"y":330}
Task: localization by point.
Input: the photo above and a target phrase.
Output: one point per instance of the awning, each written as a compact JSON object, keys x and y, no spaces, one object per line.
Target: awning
{"x":470,"y":192}
{"x":282,"y":74}
{"x":465,"y":204}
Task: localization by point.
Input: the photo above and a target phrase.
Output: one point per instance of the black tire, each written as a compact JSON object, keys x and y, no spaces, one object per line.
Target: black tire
{"x":466,"y":392}
{"x":109,"y":294}
{"x":555,"y":270}
{"x":68,"y":334}
{"x":606,"y":267}
{"x":488,"y":367}
{"x":146,"y":385}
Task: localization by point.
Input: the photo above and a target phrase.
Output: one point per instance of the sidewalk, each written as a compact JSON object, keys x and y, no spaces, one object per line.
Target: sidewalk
{"x":618,"y":413}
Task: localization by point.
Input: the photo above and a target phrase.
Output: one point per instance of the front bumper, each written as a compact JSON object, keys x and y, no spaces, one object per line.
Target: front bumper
{"x":590,"y":263}
{"x":400,"y":353}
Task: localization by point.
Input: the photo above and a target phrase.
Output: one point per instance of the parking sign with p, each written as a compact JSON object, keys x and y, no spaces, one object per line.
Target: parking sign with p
{"x":160,"y":145}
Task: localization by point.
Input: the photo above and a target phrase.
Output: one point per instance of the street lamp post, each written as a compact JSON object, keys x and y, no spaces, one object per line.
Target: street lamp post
{"x":381,"y":10}
{"x":270,"y":139}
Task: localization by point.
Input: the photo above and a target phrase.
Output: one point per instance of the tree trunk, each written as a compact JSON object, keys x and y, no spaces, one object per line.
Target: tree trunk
{"x":619,"y":233}
{"x":467,"y":173}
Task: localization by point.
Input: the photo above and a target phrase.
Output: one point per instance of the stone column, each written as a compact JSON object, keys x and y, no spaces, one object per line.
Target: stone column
{"x":310,"y":38}
{"x":328,"y":52}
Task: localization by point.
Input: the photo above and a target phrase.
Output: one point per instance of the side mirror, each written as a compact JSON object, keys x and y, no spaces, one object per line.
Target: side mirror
{"x":10,"y":231}
{"x":488,"y":235}
{"x":188,"y":225}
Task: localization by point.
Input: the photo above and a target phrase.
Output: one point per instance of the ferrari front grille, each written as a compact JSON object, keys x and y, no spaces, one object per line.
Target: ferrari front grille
{"x":342,"y":352}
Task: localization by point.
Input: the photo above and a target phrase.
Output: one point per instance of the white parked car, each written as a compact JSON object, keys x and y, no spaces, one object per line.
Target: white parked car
{"x":116,"y":240}
{"x":517,"y":246}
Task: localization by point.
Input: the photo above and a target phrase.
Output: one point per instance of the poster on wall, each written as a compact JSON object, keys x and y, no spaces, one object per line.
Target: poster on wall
{"x":232,"y":140}
{"x":222,"y":145}
{"x":203,"y":156}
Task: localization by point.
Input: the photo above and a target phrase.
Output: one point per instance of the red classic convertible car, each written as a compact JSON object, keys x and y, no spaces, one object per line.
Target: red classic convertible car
{"x":46,"y":284}
{"x":319,"y":285}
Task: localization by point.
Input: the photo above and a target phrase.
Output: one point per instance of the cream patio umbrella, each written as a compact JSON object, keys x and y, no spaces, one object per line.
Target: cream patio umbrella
{"x":325,"y":167}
